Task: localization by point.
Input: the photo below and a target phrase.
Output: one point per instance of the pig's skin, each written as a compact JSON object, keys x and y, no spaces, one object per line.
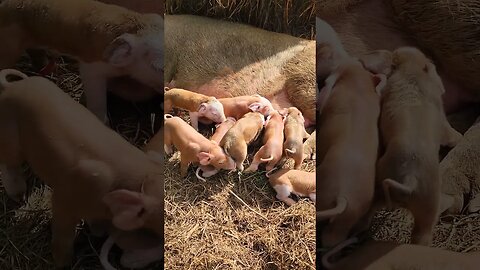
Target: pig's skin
{"x":224,"y":59}
{"x":360,"y":35}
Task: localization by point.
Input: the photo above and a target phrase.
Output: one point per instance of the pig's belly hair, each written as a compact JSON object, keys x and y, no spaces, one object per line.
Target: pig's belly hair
{"x":264,"y":77}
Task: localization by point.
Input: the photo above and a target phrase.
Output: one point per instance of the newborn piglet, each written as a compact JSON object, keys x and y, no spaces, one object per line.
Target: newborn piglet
{"x":272,"y":150}
{"x":197,"y":104}
{"x":236,"y":140}
{"x":294,"y":134}
{"x":220,"y":131}
{"x":300,"y":183}
{"x":193,"y":146}
{"x":237,"y":107}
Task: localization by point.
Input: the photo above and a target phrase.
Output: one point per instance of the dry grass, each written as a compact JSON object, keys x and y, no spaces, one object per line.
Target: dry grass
{"x":459,"y":233}
{"x":296,"y":18}
{"x":25,"y":234}
{"x":234,"y":222}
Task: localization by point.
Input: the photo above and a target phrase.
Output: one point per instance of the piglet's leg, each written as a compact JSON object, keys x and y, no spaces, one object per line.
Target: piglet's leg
{"x":63,"y":231}
{"x":14,"y":182}
{"x":183,"y":166}
{"x":194,"y":120}
{"x":425,"y":212}
{"x":254,"y":165}
{"x":95,"y":88}
{"x":298,"y":160}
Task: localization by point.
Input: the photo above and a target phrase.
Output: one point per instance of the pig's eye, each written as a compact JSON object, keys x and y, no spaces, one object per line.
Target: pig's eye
{"x":221,"y":162}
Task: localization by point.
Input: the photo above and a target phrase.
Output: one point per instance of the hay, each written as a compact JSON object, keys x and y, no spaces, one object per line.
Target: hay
{"x":459,"y":233}
{"x":234,"y":222}
{"x":296,"y":18}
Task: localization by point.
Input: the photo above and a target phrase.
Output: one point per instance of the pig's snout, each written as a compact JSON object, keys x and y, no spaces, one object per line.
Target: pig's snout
{"x":222,"y":118}
{"x":231,"y":164}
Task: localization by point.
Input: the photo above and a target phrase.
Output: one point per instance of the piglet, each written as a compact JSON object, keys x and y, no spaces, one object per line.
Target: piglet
{"x":193,"y":146}
{"x":237,"y":107}
{"x":294,"y":134}
{"x":236,"y":140}
{"x":347,"y":146}
{"x":220,"y":131}
{"x":300,"y":183}
{"x":272,"y":149}
{"x":197,"y":104}
{"x":413,"y":125}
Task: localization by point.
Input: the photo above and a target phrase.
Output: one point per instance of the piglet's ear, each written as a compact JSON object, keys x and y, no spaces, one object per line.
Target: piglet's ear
{"x":127,"y":207}
{"x":283,"y":112}
{"x":326,"y":91}
{"x":255,"y":107}
{"x":380,"y":81}
{"x":377,"y":62}
{"x":204,"y":158}
{"x":203,"y":108}
{"x":120,"y":52}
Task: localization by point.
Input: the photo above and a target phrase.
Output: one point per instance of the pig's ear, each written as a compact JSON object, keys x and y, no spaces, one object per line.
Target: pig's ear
{"x":283,"y":112}
{"x":127,"y":207}
{"x":255,"y":107}
{"x":120,"y":52}
{"x":204,"y":158}
{"x":203,"y":108}
{"x":326,"y":91}
{"x":380,"y":81}
{"x":377,"y":62}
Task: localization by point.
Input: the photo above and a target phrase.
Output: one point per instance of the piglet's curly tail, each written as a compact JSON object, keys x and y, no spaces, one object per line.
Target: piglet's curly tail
{"x":8,"y":76}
